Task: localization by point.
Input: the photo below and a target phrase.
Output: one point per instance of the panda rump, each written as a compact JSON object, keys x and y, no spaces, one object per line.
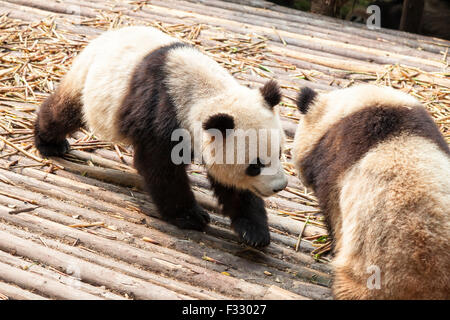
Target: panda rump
{"x":380,"y":169}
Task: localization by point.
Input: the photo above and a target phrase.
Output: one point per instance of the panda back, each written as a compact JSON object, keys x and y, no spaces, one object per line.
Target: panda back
{"x":112,"y":59}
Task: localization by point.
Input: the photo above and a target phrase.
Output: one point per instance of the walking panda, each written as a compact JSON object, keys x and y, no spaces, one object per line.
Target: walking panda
{"x":137,"y":85}
{"x":381,"y":171}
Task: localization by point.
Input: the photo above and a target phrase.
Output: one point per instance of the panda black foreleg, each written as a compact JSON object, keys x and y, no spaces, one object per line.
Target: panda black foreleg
{"x":246,"y":211}
{"x":58,"y":116}
{"x":168,"y":185}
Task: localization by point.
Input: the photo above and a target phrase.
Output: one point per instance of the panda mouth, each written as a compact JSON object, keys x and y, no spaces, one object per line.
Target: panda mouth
{"x":259,"y":193}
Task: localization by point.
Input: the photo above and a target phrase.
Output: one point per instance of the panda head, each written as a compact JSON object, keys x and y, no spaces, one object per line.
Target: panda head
{"x":320,"y":111}
{"x":243,"y":140}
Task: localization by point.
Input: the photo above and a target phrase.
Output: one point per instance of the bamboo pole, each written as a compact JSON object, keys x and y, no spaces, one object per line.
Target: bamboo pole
{"x":161,"y":263}
{"x":323,"y":27}
{"x":30,"y":281}
{"x":205,"y":200}
{"x":88,"y":272}
{"x":17,"y":293}
{"x":198,"y":293}
{"x":166,"y":239}
{"x":49,"y":273}
{"x":263,"y":28}
{"x":323,"y":41}
{"x":135,"y":217}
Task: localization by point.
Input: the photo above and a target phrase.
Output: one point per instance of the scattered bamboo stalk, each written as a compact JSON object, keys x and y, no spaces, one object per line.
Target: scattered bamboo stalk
{"x":17,"y":211}
{"x":312,"y":199}
{"x":297,"y":245}
{"x":28,"y":154}
{"x":206,"y":258}
{"x":16,"y":197}
{"x":322,"y":249}
{"x":150,"y":240}
{"x":3,"y":297}
{"x":86,"y":225}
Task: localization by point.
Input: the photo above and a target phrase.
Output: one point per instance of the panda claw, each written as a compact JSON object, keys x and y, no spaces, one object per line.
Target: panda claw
{"x":194,"y":219}
{"x":47,"y":149}
{"x":251,"y":234}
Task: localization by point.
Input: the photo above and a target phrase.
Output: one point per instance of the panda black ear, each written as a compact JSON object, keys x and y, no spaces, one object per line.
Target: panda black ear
{"x":304,"y":99}
{"x":271,"y":93}
{"x":219,"y":121}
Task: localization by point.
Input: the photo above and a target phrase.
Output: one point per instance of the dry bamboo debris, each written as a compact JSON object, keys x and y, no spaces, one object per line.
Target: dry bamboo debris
{"x":182,"y":5}
{"x":181,"y":36}
{"x":316,"y":41}
{"x":215,"y":8}
{"x":300,"y":235}
{"x":253,"y":65}
{"x":187,"y":33}
{"x":38,"y":55}
{"x":219,"y":10}
{"x":325,"y":27}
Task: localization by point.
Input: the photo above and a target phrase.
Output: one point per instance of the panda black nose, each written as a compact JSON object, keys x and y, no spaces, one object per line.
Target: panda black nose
{"x":281,"y":187}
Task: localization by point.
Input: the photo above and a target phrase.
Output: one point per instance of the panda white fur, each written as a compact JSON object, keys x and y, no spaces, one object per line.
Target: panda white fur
{"x":137,"y":85}
{"x":381,"y":171}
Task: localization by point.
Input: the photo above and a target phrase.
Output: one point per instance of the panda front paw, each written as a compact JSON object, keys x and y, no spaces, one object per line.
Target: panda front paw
{"x":50,"y":149}
{"x":253,"y":234}
{"x":196,"y":219}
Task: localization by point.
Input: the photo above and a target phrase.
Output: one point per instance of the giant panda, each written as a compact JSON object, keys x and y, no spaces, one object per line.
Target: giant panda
{"x":137,"y":85}
{"x":381,"y":171}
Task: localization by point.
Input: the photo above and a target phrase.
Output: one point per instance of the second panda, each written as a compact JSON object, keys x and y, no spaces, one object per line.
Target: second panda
{"x":137,"y":85}
{"x":381,"y":171}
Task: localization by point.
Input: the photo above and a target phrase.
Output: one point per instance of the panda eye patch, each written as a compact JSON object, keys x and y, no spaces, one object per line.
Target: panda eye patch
{"x":254,"y":169}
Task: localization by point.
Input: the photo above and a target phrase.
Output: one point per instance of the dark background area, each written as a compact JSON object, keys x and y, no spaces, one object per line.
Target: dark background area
{"x":426,"y":17}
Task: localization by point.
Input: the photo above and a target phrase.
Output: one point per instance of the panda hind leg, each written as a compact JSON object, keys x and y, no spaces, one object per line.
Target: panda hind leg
{"x":58,"y":116}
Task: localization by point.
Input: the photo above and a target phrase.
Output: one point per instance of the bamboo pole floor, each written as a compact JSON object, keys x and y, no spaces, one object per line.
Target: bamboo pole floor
{"x":80,"y":227}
